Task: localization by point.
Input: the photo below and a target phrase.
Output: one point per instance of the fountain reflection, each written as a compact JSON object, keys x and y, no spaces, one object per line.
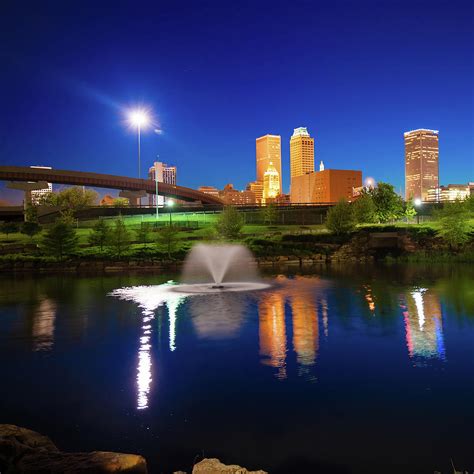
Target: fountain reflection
{"x":423,"y":325}
{"x":43,"y":325}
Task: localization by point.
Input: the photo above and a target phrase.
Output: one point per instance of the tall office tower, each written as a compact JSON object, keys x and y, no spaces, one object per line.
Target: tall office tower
{"x":421,"y":163}
{"x":271,"y":184}
{"x":268,"y":149}
{"x":164,"y":174}
{"x":301,"y":152}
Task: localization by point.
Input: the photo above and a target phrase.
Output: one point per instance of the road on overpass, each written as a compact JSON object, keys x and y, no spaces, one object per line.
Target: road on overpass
{"x":98,"y":180}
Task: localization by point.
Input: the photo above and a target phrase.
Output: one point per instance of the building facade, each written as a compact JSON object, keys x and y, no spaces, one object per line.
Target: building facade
{"x":301,"y":152}
{"x":268,"y":149}
{"x":163,"y":174}
{"x":211,"y":190}
{"x":37,"y":194}
{"x":421,"y":163}
{"x":327,"y":186}
{"x":234,"y":197}
{"x":451,"y":192}
{"x":257,"y":188}
{"x":271,"y":184}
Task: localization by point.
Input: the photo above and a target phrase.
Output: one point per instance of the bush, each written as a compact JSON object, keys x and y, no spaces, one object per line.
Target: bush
{"x":9,"y":227}
{"x":30,"y":228}
{"x":340,"y":219}
{"x":100,"y":234}
{"x":120,"y":239}
{"x":364,"y":209}
{"x":167,"y":237}
{"x":455,"y":228}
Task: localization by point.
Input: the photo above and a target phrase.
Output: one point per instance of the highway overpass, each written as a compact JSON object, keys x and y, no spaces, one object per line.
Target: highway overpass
{"x":99,"y":180}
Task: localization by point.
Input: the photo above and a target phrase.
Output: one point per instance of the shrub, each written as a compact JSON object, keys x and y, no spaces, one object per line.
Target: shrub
{"x":120,"y":238}
{"x":100,"y":234}
{"x":60,"y":240}
{"x":454,"y":224}
{"x":364,"y":209}
{"x":229,"y":223}
{"x":30,"y":228}
{"x":340,"y":218}
{"x":167,"y":237}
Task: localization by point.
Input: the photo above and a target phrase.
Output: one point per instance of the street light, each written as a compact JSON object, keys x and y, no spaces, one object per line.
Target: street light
{"x":417,"y":202}
{"x":170,"y":204}
{"x":139,"y":119}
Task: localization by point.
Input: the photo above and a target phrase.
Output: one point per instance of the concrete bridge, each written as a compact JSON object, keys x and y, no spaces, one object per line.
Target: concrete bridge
{"x":98,"y":180}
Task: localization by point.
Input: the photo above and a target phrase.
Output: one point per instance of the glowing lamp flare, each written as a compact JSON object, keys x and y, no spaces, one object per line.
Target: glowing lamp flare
{"x":139,"y":118}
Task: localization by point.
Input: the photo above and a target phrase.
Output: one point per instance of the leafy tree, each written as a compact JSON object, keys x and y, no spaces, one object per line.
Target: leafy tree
{"x":73,"y":198}
{"x":120,"y":239}
{"x":9,"y":228}
{"x":143,"y":233}
{"x":100,"y":234}
{"x":167,"y":237}
{"x":340,"y":219}
{"x":31,"y":213}
{"x":230,"y":222}
{"x":120,"y":202}
{"x":410,"y":211}
{"x":455,"y":227}
{"x":60,"y":239}
{"x":364,"y":209}
{"x":270,"y":214}
{"x":30,"y":228}
{"x":388,"y":204}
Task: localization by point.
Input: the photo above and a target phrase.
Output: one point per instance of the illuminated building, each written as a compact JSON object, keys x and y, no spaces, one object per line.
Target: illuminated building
{"x":107,"y":200}
{"x":268,"y":149}
{"x":451,"y":192}
{"x":272,"y":332}
{"x":271,"y":183}
{"x":421,"y":163}
{"x":257,"y":188}
{"x":327,"y":186}
{"x":301,"y":152}
{"x":305,"y":328}
{"x":37,"y":194}
{"x":232,"y":196}
{"x":165,"y":174}
{"x":209,"y":190}
{"x":423,"y":325}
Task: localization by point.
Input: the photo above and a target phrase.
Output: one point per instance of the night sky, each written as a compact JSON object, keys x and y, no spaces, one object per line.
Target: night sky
{"x":219,"y":74}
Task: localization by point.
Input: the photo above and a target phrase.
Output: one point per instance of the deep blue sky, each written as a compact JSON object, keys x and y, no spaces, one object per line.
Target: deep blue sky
{"x":219,"y":74}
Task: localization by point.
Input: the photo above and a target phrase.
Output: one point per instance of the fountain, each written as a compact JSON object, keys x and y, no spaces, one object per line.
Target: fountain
{"x":211,"y":268}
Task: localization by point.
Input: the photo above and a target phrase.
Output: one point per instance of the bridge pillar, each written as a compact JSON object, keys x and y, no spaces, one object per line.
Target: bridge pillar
{"x":27,"y":187}
{"x":134,"y":197}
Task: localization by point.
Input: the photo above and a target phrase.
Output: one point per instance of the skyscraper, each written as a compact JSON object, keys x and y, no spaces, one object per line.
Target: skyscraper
{"x":421,"y":163}
{"x":301,"y":152}
{"x":271,"y":184}
{"x":268,"y":149}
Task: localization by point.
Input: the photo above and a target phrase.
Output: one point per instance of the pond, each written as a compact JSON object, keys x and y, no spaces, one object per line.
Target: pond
{"x":329,"y":369}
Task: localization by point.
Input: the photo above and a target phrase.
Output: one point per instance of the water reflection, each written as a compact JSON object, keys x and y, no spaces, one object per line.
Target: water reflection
{"x":43,"y":325}
{"x":423,"y":325}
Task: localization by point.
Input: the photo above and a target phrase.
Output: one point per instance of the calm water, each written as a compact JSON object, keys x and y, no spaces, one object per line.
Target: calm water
{"x":342,"y":370}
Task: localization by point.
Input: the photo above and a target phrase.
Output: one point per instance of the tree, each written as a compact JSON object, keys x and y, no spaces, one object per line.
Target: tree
{"x":167,"y":237}
{"x":410,"y":211}
{"x":60,"y":239}
{"x":388,"y":204}
{"x":31,"y":213}
{"x":229,"y":223}
{"x":9,"y":228}
{"x":364,"y":209}
{"x":100,"y":234}
{"x":143,"y":233}
{"x":30,"y":228}
{"x":73,"y":198}
{"x":340,"y":219}
{"x":120,"y":239}
{"x":455,"y":228}
{"x":270,"y":214}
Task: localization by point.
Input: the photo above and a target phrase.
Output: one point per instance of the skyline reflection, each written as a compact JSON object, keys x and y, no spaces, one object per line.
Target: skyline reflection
{"x":43,"y":325}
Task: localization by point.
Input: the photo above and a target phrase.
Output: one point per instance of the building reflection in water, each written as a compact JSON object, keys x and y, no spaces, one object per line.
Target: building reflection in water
{"x":43,"y":325}
{"x":217,"y":316}
{"x":423,"y":325}
{"x":272,"y":332}
{"x":303,"y":295}
{"x":369,"y":297}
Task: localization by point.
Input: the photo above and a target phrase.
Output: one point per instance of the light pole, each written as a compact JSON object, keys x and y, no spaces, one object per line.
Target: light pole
{"x":139,"y":119}
{"x":170,"y":204}
{"x":417,"y":202}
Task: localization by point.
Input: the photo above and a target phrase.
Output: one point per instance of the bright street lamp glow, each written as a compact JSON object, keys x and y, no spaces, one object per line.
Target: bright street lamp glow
{"x":170,"y":203}
{"x":417,"y":202}
{"x":139,"y":118}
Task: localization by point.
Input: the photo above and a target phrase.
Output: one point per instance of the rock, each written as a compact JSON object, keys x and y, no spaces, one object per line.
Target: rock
{"x":214,"y":466}
{"x":97,"y":462}
{"x":24,"y":451}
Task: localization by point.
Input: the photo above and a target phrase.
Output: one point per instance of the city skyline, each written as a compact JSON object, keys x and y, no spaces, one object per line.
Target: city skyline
{"x":69,"y":106}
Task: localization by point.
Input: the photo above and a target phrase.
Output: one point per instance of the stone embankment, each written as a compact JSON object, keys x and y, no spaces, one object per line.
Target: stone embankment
{"x":23,"y":451}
